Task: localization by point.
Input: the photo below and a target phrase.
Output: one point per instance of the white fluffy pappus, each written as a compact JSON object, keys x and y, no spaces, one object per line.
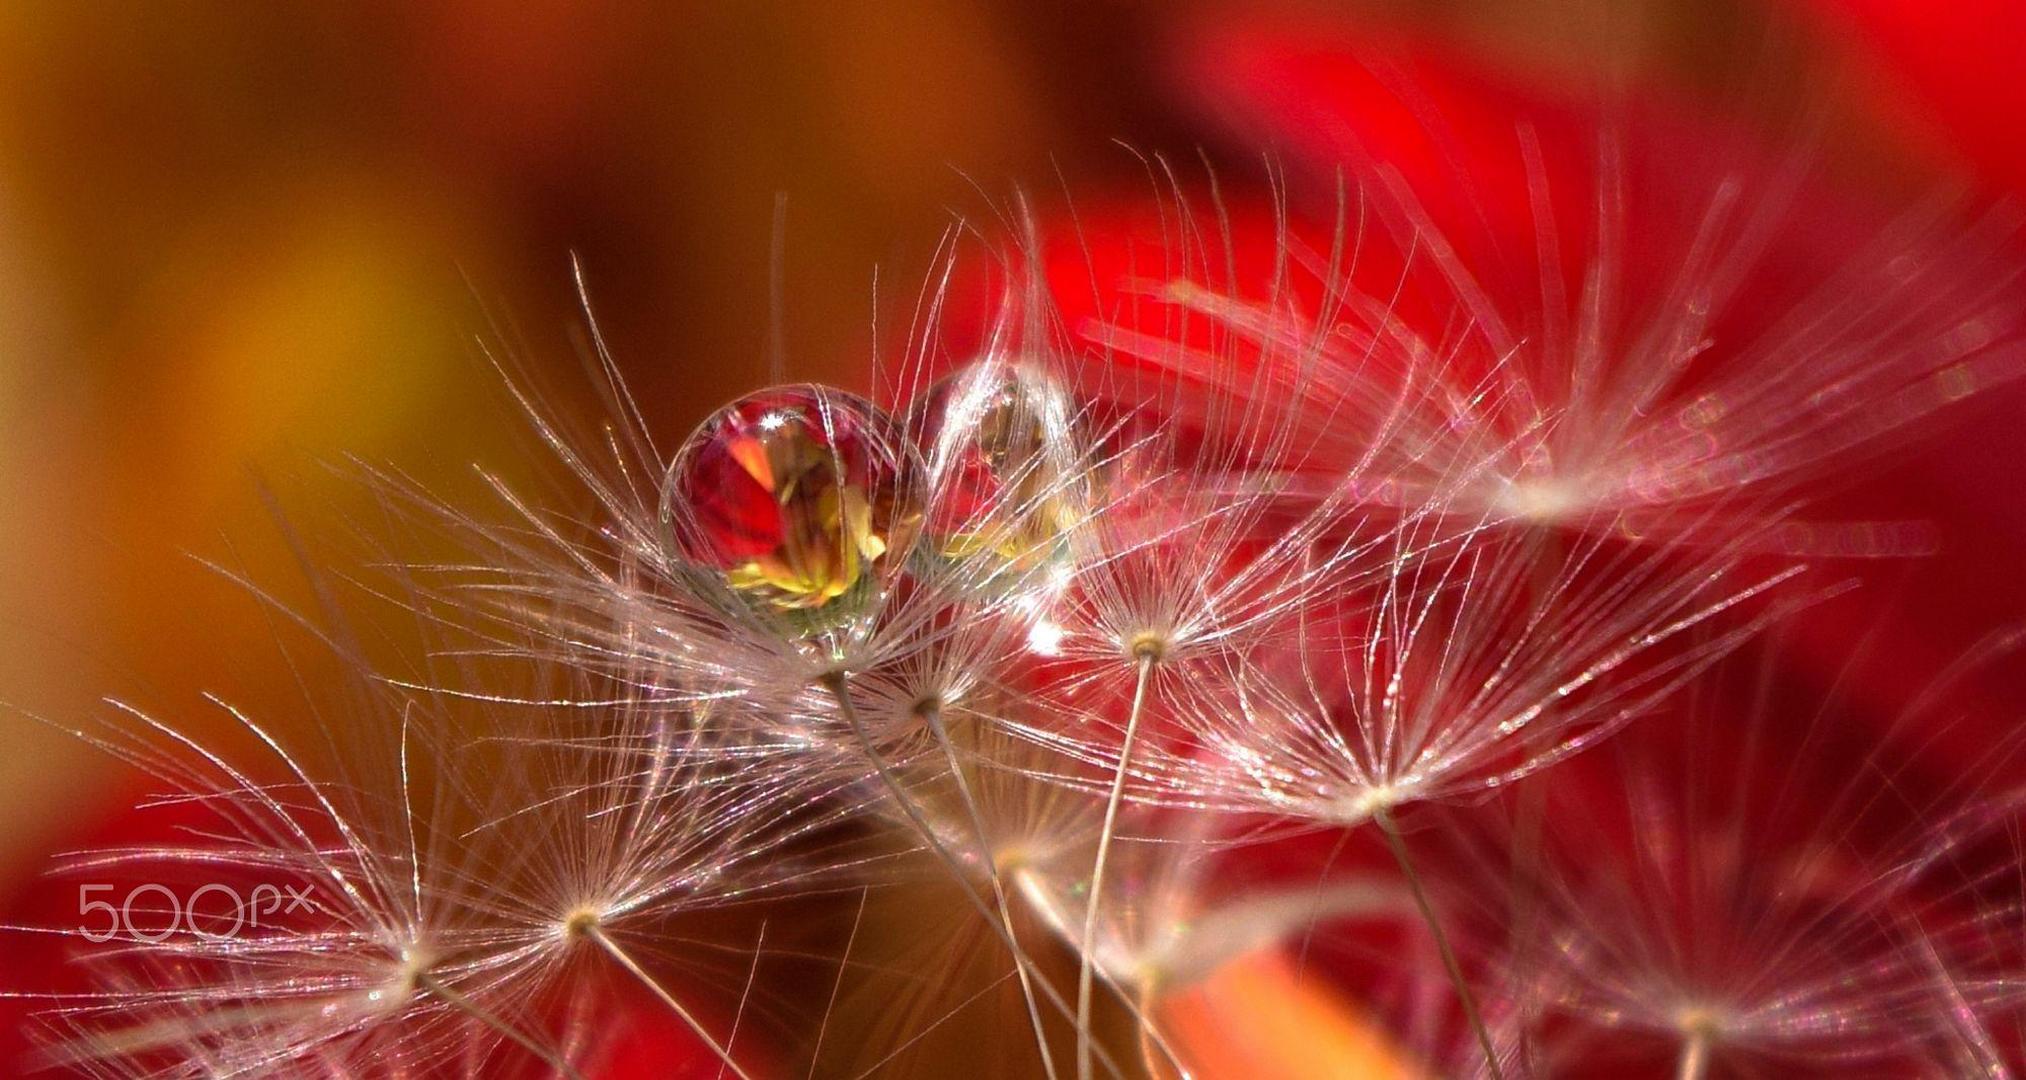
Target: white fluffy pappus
{"x":457,"y":859}
{"x":1659,"y":334}
{"x":1760,"y":880}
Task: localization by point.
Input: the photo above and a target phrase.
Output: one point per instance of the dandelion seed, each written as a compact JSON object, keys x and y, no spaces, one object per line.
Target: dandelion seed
{"x":1459,"y":673}
{"x":1617,"y":320}
{"x":779,"y":566}
{"x":1754,"y":890}
{"x":452,"y":847}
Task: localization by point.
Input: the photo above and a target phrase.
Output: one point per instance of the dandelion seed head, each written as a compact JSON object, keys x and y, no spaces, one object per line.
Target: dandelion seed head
{"x":1545,"y":500}
{"x":1363,"y":805}
{"x":1700,"y":1022}
{"x":1756,"y":885}
{"x":1451,"y":676}
{"x":1150,"y":645}
{"x":455,"y":842}
{"x":1658,"y":349}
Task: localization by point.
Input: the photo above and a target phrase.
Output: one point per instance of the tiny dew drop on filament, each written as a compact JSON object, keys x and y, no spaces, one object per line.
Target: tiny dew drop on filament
{"x":797,"y":498}
{"x":1005,"y":465}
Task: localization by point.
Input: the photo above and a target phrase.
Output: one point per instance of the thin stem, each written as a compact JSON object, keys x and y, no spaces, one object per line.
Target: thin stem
{"x":933,"y":717}
{"x":746,"y":995}
{"x":837,"y":985}
{"x":1145,"y":1008}
{"x":457,"y":1000}
{"x":1694,"y":1061}
{"x":1384,"y":818}
{"x":1041,"y":899}
{"x":600,"y":938}
{"x":1092,"y":911}
{"x":838,"y":685}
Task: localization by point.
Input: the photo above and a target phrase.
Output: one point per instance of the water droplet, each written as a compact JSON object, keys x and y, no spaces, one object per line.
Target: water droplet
{"x":1005,"y":460}
{"x":794,"y":495}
